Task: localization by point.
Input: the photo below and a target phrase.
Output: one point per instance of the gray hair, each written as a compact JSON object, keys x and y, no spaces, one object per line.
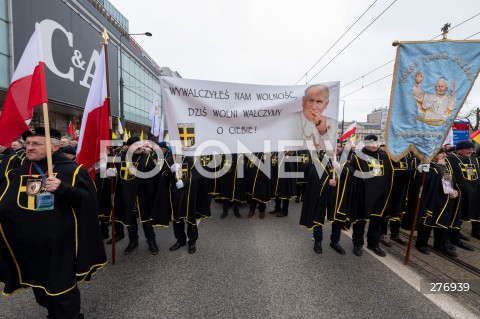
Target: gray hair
{"x":320,"y":86}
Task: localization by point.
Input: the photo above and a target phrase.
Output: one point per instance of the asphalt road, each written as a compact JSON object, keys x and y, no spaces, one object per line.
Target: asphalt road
{"x":243,"y":268}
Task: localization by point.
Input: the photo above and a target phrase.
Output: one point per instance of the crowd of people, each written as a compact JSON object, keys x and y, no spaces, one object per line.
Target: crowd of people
{"x":158,"y":189}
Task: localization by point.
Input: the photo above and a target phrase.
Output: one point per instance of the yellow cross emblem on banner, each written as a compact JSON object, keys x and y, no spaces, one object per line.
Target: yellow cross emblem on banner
{"x":187,"y":135}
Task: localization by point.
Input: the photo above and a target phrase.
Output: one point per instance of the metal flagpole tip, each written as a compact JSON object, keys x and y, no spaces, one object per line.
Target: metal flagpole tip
{"x":395,"y":43}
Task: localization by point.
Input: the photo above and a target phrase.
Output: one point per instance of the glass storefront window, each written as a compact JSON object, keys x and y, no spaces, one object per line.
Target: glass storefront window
{"x":4,"y":76}
{"x":4,"y":38}
{"x":3,"y":10}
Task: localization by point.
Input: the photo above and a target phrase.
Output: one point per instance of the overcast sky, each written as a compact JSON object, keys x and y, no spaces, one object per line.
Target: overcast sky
{"x":275,"y":42}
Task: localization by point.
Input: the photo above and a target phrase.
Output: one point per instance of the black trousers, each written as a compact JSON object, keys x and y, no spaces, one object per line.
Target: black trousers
{"x":374,"y":232}
{"x":261,"y":206}
{"x":281,"y":205}
{"x":179,"y":232}
{"x":440,"y":236}
{"x":334,"y":236}
{"x":394,"y":227}
{"x":476,"y":228}
{"x":226,"y":206}
{"x":64,"y":306}
{"x":147,"y":229}
{"x":105,"y":231}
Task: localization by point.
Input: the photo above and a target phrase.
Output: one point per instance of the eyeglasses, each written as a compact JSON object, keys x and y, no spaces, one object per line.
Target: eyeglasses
{"x":34,"y":144}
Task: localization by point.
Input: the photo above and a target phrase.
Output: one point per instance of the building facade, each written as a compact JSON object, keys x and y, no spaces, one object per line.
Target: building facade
{"x":71,"y":33}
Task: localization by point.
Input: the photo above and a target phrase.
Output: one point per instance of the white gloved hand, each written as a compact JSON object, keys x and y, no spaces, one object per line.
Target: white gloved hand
{"x":336,"y":165}
{"x":423,"y":168}
{"x":111,"y":172}
{"x":175,"y":168}
{"x":179,"y":184}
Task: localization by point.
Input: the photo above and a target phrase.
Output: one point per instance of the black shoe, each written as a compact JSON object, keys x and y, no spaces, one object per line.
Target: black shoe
{"x":191,"y":248}
{"x":275,"y":212}
{"x":449,"y":246}
{"x":338,"y":248}
{"x":476,"y":235}
{"x":177,"y":246}
{"x":224,"y":215}
{"x":447,"y":252}
{"x":399,"y":240}
{"x":152,"y":245}
{"x":385,"y":242}
{"x":377,"y":250}
{"x":462,"y":245}
{"x":131,"y":247}
{"x":317,"y":247}
{"x":357,"y":250}
{"x":281,"y":215}
{"x":423,"y":249}
{"x":237,"y":214}
{"x":462,"y":237}
{"x":117,"y":239}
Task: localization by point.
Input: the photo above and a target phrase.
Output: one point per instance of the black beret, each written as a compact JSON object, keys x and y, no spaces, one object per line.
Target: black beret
{"x":441,"y":150}
{"x":40,"y":131}
{"x":463,"y":145}
{"x":132,"y":140}
{"x":371,"y":137}
{"x":69,"y":150}
{"x":450,"y":149}
{"x":163,"y":144}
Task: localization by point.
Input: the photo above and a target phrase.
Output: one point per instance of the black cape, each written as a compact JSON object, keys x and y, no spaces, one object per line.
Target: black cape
{"x":131,"y":195}
{"x":315,"y":200}
{"x":259,"y":185}
{"x":468,"y":185}
{"x":191,"y":202}
{"x":231,"y":186}
{"x":436,"y":208}
{"x":51,"y":249}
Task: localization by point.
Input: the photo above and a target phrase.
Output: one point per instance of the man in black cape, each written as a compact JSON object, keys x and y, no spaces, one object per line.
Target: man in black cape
{"x":316,"y":198}
{"x":259,"y":184}
{"x":466,"y":170}
{"x":438,"y":209}
{"x":182,"y":197}
{"x":371,"y":192}
{"x":232,"y":187}
{"x":49,"y":248}
{"x":131,"y":195}
{"x":284,"y":187}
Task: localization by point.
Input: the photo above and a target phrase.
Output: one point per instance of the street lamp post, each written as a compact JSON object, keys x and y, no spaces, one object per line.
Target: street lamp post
{"x":122,"y":84}
{"x":343,"y":116}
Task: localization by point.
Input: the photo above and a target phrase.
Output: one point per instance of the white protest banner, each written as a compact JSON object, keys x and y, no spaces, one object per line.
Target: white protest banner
{"x":242,"y":118}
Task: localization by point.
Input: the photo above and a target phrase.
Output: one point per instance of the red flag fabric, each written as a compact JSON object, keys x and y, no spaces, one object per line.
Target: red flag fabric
{"x":71,"y":129}
{"x":475,"y":136}
{"x":95,"y":124}
{"x":26,"y":91}
{"x":351,"y":129}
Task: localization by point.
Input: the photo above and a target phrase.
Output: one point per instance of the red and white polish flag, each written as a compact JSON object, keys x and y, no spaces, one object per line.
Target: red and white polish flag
{"x":351,"y":129}
{"x":95,"y":123}
{"x":27,"y":90}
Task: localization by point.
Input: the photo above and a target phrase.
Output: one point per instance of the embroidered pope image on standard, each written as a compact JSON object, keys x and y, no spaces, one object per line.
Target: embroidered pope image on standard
{"x":434,"y":108}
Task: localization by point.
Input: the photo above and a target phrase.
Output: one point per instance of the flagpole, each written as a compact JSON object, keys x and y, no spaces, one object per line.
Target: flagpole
{"x":112,"y":183}
{"x":47,"y":137}
{"x":415,"y":216}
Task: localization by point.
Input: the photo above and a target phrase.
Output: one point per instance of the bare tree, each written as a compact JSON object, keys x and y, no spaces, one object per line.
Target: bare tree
{"x":472,"y":116}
